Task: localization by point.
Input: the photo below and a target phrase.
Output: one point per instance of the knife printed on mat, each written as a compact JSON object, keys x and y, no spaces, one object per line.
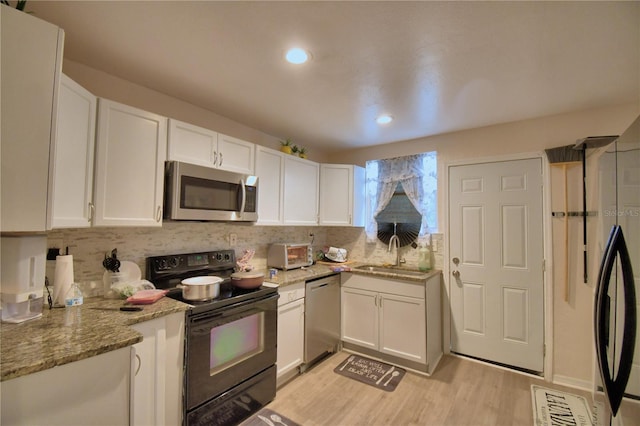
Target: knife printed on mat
{"x":385,"y":373}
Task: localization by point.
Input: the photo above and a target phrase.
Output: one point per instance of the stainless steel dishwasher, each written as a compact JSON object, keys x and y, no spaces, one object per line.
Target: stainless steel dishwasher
{"x":321,"y":318}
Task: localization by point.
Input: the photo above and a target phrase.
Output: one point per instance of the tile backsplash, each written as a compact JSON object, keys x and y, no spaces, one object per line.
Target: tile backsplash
{"x":89,"y":246}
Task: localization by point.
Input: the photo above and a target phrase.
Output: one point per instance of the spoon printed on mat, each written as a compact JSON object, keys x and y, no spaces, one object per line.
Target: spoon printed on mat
{"x":276,"y":418}
{"x":348,"y":362}
{"x":266,"y":420}
{"x":384,"y":375}
{"x":394,"y":374}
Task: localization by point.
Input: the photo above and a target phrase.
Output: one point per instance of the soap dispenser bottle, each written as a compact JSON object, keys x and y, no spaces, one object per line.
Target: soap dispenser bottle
{"x":424,"y":258}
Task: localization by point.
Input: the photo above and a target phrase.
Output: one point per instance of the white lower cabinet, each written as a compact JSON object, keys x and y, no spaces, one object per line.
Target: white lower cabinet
{"x":157,"y":372}
{"x":91,"y":391}
{"x":388,"y":317}
{"x":290,"y":331}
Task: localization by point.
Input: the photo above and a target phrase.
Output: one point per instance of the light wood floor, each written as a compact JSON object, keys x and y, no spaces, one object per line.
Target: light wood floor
{"x":460,"y":392}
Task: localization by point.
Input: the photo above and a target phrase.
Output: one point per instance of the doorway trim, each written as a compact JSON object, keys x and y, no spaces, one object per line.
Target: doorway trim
{"x":547,"y":250}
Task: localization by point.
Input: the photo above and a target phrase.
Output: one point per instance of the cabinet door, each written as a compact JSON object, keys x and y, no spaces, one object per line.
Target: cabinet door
{"x":341,"y":195}
{"x":131,"y":147}
{"x":403,"y":327}
{"x":235,"y":154}
{"x":93,"y":391}
{"x":360,"y":317}
{"x":191,"y":144}
{"x":31,"y":62}
{"x":72,"y":189}
{"x":270,"y":171}
{"x":157,"y":372}
{"x":301,"y":183}
{"x":290,"y":336}
{"x":336,"y":194}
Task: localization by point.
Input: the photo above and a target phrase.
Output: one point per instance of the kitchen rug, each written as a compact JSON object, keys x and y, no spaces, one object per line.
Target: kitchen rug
{"x":269,"y":418}
{"x":552,"y":407}
{"x":375,"y":373}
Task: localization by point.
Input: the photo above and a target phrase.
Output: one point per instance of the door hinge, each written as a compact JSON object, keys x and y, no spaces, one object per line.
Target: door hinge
{"x":544,"y":350}
{"x":544,"y":265}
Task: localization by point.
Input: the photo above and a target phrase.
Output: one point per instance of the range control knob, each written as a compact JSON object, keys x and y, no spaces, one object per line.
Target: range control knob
{"x":174,"y":262}
{"x":218,"y":257}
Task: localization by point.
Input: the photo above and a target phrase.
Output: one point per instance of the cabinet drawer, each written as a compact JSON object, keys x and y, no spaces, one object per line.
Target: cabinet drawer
{"x":291,"y":292}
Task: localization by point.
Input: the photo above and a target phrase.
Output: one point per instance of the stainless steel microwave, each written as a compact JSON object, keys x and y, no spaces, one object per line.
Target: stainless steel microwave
{"x":201,"y":193}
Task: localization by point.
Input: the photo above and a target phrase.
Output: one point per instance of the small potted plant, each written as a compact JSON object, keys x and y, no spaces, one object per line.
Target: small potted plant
{"x":286,"y":146}
{"x":302,"y":152}
{"x":295,"y":149}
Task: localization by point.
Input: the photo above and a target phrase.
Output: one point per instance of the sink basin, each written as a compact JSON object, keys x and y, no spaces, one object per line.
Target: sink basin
{"x":389,"y":270}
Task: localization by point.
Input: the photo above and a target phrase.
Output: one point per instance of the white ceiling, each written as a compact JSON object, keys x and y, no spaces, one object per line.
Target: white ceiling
{"x":435,"y":66}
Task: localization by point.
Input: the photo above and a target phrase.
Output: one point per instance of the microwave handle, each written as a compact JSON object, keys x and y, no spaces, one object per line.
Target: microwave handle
{"x":244,"y":198}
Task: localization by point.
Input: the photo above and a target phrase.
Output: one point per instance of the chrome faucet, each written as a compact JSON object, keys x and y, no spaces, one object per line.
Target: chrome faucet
{"x":394,"y":238}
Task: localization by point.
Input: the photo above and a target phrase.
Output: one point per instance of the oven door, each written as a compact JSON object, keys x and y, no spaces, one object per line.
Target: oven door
{"x":226,"y":347}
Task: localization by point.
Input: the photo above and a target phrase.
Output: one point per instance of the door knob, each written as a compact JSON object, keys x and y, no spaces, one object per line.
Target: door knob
{"x":456,"y":273}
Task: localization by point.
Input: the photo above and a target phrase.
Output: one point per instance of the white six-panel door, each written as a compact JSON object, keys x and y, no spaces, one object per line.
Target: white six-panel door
{"x":496,"y":262}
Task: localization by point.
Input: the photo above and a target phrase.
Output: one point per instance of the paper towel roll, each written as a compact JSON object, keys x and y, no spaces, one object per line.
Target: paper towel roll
{"x":62,"y":279}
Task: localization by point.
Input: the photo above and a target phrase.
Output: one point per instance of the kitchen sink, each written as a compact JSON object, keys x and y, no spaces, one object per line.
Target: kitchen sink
{"x":389,"y":270}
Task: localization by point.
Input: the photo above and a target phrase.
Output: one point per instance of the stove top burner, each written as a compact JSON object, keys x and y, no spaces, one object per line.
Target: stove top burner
{"x":166,"y":272}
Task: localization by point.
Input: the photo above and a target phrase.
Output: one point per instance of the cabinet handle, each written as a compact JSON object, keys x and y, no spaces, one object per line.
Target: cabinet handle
{"x":159,"y":214}
{"x":220,"y":164}
{"x":139,"y":364}
{"x":215,"y":157}
{"x":92,"y":210}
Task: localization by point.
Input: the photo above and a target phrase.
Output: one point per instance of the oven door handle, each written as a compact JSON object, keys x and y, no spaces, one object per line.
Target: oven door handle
{"x":248,"y":306}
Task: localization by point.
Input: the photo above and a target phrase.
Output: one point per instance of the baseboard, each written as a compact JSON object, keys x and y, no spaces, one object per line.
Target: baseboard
{"x":572,"y":382}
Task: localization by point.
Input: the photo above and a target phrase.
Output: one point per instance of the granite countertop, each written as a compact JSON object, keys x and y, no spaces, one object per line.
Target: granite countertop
{"x":47,"y":342}
{"x":292,"y":276}
{"x":319,"y":270}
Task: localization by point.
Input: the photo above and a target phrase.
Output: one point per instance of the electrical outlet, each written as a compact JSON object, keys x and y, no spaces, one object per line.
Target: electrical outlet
{"x":233,"y":239}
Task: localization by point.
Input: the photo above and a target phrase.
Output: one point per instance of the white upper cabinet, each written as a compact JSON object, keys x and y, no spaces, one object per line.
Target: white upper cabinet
{"x":342,"y":195}
{"x":235,"y":154}
{"x":72,"y":190}
{"x":191,"y":144}
{"x":197,"y":145}
{"x":301,"y":185}
{"x":270,"y":171}
{"x":131,"y":147}
{"x":31,"y":63}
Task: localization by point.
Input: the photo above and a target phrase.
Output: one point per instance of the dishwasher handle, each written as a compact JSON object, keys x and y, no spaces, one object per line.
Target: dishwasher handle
{"x":322,"y":282}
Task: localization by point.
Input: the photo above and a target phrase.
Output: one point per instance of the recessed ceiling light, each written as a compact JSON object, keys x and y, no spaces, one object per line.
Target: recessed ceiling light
{"x":384,"y":119}
{"x":297,"y":55}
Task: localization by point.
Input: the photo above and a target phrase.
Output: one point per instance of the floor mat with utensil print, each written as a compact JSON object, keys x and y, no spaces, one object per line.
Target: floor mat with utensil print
{"x":375,"y":373}
{"x":269,"y":418}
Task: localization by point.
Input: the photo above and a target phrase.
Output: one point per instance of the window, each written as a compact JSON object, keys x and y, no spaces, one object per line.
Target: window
{"x":403,"y":191}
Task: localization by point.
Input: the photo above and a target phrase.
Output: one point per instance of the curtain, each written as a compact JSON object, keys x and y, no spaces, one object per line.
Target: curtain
{"x":414,"y":173}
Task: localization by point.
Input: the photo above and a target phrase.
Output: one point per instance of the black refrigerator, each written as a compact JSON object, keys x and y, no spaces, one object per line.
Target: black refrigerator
{"x":617,"y":345}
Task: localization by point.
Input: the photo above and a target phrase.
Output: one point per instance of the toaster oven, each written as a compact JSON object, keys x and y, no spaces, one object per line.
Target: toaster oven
{"x":289,"y":256}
